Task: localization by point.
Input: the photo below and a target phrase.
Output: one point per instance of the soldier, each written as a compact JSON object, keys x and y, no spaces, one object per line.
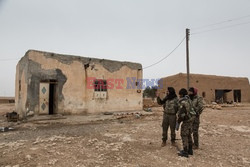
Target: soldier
{"x":170,"y":103}
{"x":197,"y":102}
{"x":185,"y":115}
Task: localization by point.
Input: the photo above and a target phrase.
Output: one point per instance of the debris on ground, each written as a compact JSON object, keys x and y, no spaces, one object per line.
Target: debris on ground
{"x":128,"y":141}
{"x":148,"y":109}
{"x":108,"y":113}
{"x":5,"y":129}
{"x":12,"y":117}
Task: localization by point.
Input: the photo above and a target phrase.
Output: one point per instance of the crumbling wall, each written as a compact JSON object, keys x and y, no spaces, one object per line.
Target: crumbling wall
{"x":71,"y":74}
{"x":21,"y":84}
{"x":119,"y":98}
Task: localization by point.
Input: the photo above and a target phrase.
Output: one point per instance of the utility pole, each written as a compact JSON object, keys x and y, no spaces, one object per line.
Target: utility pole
{"x":187,"y":53}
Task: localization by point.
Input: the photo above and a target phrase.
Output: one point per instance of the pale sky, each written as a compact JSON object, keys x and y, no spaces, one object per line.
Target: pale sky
{"x":142,"y":31}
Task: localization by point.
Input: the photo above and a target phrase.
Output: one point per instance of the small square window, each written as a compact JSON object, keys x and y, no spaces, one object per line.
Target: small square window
{"x":100,"y":85}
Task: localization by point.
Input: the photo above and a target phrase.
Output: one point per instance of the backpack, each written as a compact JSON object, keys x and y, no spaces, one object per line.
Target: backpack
{"x":192,"y":110}
{"x":185,"y":114}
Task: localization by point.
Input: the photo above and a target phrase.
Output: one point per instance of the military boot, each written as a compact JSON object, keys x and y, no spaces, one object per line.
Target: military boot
{"x":183,"y":153}
{"x":195,"y":147}
{"x":173,"y":142}
{"x":164,"y":143}
{"x":190,"y":149}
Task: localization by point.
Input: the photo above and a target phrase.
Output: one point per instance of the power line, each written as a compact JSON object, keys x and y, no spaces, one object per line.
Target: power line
{"x":166,"y":55}
{"x":221,"y":28}
{"x":221,"y":22}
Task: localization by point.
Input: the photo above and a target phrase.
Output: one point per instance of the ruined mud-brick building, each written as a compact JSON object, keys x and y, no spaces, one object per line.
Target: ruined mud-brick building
{"x":49,"y":83}
{"x":213,"y":88}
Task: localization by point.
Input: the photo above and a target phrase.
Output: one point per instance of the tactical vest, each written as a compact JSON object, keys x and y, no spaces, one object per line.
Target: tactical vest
{"x":171,"y":106}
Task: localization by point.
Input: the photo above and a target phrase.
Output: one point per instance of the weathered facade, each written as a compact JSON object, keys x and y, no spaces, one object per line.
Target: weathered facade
{"x":49,"y":83}
{"x":213,"y":88}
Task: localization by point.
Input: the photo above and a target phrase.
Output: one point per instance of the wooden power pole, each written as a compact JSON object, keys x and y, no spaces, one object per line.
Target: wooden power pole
{"x":187,"y":58}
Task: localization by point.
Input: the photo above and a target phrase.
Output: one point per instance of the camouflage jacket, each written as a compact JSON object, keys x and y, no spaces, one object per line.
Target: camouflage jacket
{"x":170,"y":106}
{"x":186,"y":111}
{"x":198,"y":104}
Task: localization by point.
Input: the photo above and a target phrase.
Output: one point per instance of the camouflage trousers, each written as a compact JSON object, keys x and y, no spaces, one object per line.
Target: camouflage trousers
{"x":195,"y":130}
{"x":168,"y":121}
{"x":186,"y":131}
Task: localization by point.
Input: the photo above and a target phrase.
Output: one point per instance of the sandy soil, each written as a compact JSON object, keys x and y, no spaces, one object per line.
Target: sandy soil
{"x":131,"y":141}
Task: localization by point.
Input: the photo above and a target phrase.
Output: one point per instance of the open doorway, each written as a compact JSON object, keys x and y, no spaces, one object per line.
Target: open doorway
{"x":51,"y":98}
{"x":221,"y":95}
{"x":48,"y":97}
{"x":237,"y":96}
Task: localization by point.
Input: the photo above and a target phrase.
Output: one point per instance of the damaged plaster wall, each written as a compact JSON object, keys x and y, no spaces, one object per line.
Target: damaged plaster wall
{"x":68,"y":76}
{"x":21,"y":86}
{"x":71,"y":73}
{"x":30,"y":74}
{"x":120,"y":98}
{"x":109,"y":65}
{"x":36,"y":75}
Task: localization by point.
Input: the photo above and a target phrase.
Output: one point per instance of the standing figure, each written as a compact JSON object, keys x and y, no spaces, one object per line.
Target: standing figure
{"x":185,"y":115}
{"x":170,"y":105}
{"x":198,"y":106}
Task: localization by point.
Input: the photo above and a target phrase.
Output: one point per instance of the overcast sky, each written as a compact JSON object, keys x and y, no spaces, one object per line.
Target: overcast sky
{"x":143,"y":31}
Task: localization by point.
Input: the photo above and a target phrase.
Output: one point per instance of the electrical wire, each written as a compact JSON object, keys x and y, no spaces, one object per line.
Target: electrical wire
{"x":201,"y":32}
{"x":221,"y":22}
{"x":166,"y":55}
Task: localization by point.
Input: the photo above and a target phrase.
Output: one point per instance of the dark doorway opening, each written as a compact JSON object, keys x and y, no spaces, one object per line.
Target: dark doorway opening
{"x":48,"y":97}
{"x":221,"y":95}
{"x":51,"y":98}
{"x":237,"y":96}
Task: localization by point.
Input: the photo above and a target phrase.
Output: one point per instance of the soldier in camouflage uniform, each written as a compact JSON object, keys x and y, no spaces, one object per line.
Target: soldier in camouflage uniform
{"x":185,"y":115}
{"x":170,"y":103}
{"x":197,"y":102}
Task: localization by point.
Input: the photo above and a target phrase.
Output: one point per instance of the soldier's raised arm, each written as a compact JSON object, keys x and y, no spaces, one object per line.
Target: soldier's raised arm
{"x":159,"y":101}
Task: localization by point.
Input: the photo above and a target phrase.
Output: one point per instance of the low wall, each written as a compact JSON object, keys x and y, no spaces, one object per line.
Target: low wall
{"x":7,"y":100}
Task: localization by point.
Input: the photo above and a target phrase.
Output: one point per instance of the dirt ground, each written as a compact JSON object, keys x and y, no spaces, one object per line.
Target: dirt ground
{"x":132,"y":141}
